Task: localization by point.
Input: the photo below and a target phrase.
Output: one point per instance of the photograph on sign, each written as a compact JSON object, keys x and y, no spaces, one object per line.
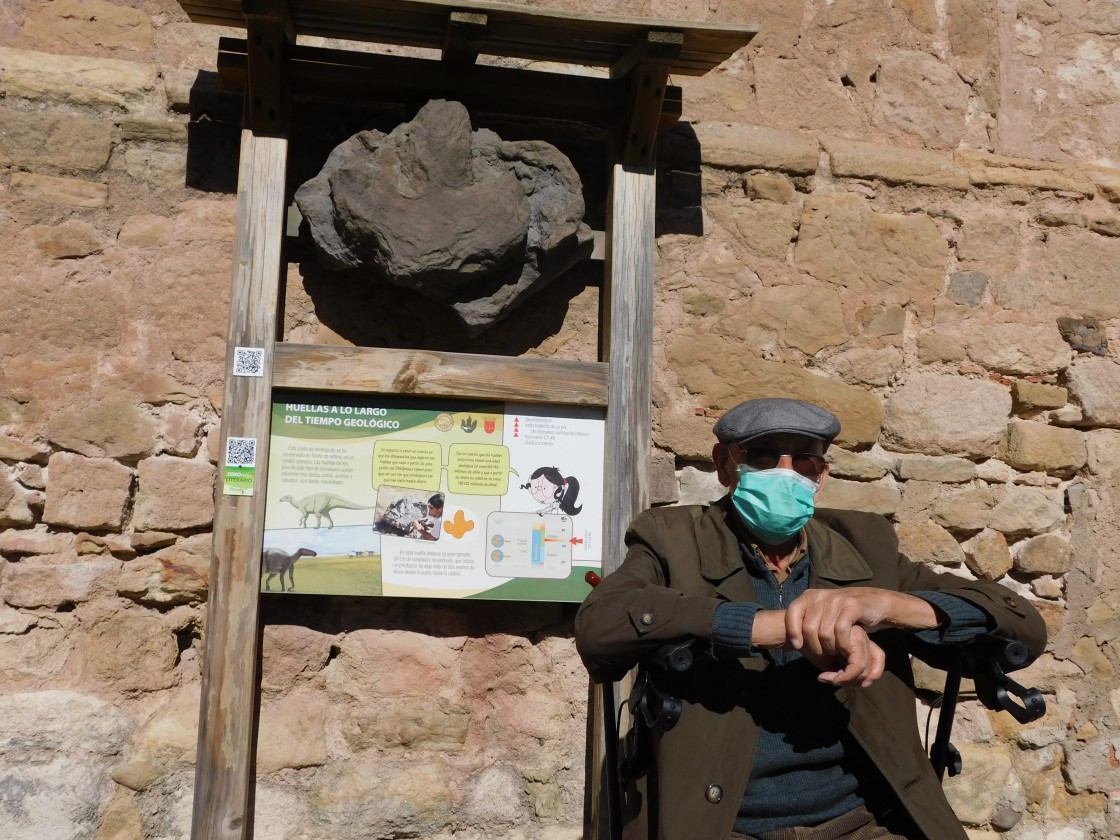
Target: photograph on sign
{"x":432,"y":498}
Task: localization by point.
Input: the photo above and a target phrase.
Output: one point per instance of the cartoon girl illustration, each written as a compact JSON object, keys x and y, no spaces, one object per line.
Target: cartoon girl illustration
{"x":557,"y":493}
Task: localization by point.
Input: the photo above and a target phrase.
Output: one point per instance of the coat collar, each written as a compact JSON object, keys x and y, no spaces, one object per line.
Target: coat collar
{"x":833,"y":558}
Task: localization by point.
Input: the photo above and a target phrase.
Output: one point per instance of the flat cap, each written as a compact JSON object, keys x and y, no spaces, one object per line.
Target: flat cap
{"x":755,"y":418}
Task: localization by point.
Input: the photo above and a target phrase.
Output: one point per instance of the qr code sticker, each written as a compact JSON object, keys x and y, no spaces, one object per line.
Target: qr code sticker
{"x":248,"y":361}
{"x":241,"y":452}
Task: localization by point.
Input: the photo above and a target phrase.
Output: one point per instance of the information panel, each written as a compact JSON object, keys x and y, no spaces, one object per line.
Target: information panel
{"x":432,"y":498}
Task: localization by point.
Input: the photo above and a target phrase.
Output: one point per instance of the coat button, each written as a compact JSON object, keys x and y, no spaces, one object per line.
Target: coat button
{"x":714,"y":794}
{"x":1011,"y":602}
{"x":647,"y":618}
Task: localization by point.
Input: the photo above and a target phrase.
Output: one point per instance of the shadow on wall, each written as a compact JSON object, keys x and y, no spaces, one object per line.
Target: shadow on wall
{"x":332,"y":614}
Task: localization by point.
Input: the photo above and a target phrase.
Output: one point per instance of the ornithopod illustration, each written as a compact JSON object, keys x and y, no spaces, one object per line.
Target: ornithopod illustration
{"x":320,"y":506}
{"x":276,"y":561}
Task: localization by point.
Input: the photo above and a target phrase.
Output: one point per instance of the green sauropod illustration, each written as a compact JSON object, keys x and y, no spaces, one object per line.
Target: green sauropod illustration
{"x":320,"y":506}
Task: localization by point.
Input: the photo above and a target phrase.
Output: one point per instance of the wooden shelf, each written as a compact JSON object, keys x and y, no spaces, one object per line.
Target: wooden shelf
{"x":514,"y":31}
{"x":368,"y":370}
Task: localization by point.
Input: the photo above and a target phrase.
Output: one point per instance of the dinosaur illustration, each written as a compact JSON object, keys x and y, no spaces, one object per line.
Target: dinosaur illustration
{"x":320,"y":506}
{"x":276,"y":561}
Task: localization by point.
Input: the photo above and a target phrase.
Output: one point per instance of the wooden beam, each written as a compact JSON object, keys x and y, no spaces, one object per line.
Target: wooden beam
{"x":322,"y":367}
{"x":465,"y":33}
{"x":627,"y":345}
{"x":227,"y":722}
{"x":314,"y":72}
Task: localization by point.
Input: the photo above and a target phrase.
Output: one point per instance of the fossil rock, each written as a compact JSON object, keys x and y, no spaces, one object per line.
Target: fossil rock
{"x":462,"y":216}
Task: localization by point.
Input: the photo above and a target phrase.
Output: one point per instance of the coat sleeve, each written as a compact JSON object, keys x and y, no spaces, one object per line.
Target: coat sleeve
{"x":1012,"y":615}
{"x":635,"y":610}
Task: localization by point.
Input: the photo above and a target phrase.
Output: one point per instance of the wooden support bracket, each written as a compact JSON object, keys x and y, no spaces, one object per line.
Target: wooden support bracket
{"x":647,"y":65}
{"x":463,"y":41}
{"x":270,"y":31}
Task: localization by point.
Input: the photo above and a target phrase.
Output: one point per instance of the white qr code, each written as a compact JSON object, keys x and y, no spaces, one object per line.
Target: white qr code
{"x":248,"y":361}
{"x":241,"y":452}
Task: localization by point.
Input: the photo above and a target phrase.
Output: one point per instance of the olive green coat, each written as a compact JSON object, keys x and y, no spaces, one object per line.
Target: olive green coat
{"x":681,"y":563}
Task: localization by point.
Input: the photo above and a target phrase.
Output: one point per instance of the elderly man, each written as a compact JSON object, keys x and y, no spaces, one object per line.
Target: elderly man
{"x":798,"y":715}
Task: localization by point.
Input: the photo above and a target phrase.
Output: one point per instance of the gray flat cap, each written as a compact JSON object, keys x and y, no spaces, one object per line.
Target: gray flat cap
{"x":755,"y":418}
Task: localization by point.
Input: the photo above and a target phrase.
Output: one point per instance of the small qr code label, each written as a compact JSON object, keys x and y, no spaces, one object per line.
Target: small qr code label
{"x":248,"y":361}
{"x":241,"y":452}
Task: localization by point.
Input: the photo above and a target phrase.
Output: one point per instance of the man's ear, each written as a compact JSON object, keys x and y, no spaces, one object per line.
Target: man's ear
{"x":820,"y":481}
{"x":725,"y":464}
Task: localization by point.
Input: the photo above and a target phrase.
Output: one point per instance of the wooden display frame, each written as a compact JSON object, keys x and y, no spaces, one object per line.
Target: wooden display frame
{"x":641,"y":55}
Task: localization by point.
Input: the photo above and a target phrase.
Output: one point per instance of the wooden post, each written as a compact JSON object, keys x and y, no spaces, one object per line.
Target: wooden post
{"x":627,"y":323}
{"x":227,"y":720}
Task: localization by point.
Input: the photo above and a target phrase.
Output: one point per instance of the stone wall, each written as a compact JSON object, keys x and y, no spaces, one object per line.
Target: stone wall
{"x":907,"y":211}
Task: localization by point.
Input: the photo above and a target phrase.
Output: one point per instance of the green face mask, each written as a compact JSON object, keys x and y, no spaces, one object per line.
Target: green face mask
{"x":774,"y":504}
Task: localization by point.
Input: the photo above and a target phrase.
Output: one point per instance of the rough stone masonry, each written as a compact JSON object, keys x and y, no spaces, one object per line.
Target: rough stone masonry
{"x":907,"y":210}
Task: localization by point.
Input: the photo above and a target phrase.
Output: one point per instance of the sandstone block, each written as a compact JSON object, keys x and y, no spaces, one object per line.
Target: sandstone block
{"x":15,"y":503}
{"x":921,"y":97}
{"x":699,"y":487}
{"x":936,"y":347}
{"x":122,"y":86}
{"x":986,"y":169}
{"x":1095,"y":384}
{"x":987,"y":555}
{"x":41,"y":724}
{"x":720,"y":376}
{"x":892,"y":258}
{"x":878,"y":321}
{"x":929,"y":543}
{"x":21,"y":542}
{"x":1036,"y":395}
{"x":180,"y":431}
{"x":1088,"y":656}
{"x":1104,"y":452}
{"x":808,"y":319}
{"x":1037,"y":446}
{"x":121,"y":818}
{"x":937,"y":414}
{"x":687,"y":435}
{"x":71,"y":192}
{"x":158,"y":388}
{"x":153,"y":131}
{"x":89,"y":493}
{"x":964,"y":510}
{"x":169,"y":739}
{"x":174,"y":494}
{"x":389,"y":664}
{"x":496,"y":797}
{"x":60,"y":797}
{"x":662,"y":478}
{"x":131,"y":650}
{"x":73,"y":238}
{"x":728,"y":146}
{"x":53,"y":581}
{"x":894,"y":164}
{"x":944,"y":468}
{"x":372,"y":798}
{"x":34,"y":140}
{"x":110,"y":429}
{"x":861,"y":466}
{"x":988,"y":237}
{"x":1028,"y":510}
{"x":418,"y":724}
{"x":873,"y":497}
{"x":136,"y":775}
{"x":770,"y":187}
{"x":1046,"y":554}
{"x":292,"y":731}
{"x":179,"y":574}
{"x":1074,"y":275}
{"x":975,"y":799}
{"x":764,"y":227}
{"x":1019,"y":349}
{"x":12,"y":449}
{"x":291,"y":653}
{"x":91,"y":23}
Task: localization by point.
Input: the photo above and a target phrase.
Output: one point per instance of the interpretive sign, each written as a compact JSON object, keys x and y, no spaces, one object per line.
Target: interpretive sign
{"x":432,"y":498}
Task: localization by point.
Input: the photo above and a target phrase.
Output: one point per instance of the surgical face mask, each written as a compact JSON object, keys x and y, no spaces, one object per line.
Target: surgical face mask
{"x":775,"y":504}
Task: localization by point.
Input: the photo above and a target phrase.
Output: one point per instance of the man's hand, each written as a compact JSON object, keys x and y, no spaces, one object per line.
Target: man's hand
{"x":830,"y":628}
